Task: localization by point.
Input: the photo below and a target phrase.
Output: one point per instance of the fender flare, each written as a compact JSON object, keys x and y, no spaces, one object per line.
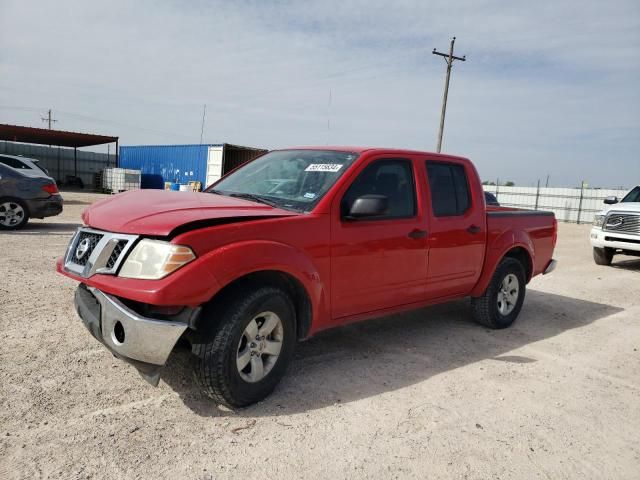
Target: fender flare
{"x":232,"y":262}
{"x":499,"y":248}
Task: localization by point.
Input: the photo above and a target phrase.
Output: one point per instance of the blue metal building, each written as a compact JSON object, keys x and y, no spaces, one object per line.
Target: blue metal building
{"x":184,"y":163}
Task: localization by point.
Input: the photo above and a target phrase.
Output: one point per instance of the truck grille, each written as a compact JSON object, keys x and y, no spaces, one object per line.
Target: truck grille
{"x":94,"y":251}
{"x":117,"y":251}
{"x":85,"y":246}
{"x":622,"y":223}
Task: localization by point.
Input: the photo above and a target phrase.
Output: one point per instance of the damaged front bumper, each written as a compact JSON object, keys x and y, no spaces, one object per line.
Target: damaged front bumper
{"x":143,"y":342}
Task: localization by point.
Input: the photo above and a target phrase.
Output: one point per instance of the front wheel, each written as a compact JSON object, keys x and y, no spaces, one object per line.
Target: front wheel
{"x":501,"y":302}
{"x":603,"y":256}
{"x":246,"y":354}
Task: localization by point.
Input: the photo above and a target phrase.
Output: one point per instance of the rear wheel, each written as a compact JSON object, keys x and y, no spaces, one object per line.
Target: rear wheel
{"x":13,"y":214}
{"x":501,"y":302}
{"x":603,"y":256}
{"x":246,"y":354}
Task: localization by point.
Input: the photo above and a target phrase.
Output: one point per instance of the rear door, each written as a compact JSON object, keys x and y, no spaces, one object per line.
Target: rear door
{"x":457,"y":232}
{"x":379,"y":262}
{"x":12,"y":183}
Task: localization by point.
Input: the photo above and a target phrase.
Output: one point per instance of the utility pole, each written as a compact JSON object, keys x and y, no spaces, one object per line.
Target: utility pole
{"x":48,"y":119}
{"x":449,"y":59}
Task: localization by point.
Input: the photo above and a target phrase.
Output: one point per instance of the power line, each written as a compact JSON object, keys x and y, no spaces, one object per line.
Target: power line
{"x":22,"y":109}
{"x":99,"y":120}
{"x":449,"y":59}
{"x":125,"y":125}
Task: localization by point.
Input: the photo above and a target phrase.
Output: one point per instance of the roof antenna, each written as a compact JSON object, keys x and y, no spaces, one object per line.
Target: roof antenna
{"x":329,"y":117}
{"x":204,"y":111}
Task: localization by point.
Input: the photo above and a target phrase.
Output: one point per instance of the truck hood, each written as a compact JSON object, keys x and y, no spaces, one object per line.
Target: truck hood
{"x":623,"y":207}
{"x":159,"y":212}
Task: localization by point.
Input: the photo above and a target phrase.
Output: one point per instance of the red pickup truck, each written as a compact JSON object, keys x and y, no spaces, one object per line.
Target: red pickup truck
{"x":291,"y":243}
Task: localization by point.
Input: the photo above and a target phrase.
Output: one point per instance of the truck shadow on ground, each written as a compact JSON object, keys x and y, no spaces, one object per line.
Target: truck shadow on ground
{"x":630,"y":263}
{"x":390,"y":353}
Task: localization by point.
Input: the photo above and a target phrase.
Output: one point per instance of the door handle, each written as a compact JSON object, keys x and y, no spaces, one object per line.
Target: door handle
{"x":474,"y":229}
{"x":417,"y":234}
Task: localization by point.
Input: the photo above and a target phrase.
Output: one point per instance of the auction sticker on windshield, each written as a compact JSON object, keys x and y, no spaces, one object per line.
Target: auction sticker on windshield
{"x":323,"y":167}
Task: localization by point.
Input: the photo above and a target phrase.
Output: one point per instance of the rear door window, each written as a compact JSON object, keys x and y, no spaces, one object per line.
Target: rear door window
{"x":14,"y":163}
{"x":449,"y":188}
{"x":44,"y":170}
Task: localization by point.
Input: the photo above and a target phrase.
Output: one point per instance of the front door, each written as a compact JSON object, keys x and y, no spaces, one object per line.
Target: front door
{"x":379,"y":262}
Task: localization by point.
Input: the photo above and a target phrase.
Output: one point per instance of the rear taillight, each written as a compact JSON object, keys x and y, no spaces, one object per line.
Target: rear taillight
{"x":555,"y":232}
{"x":50,"y":188}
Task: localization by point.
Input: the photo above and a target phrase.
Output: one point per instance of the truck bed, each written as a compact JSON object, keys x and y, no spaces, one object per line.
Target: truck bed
{"x":534,"y":230}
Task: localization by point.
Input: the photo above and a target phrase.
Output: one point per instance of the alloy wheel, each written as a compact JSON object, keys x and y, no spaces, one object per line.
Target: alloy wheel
{"x":259,"y":346}
{"x":508,"y":294}
{"x":11,"y":214}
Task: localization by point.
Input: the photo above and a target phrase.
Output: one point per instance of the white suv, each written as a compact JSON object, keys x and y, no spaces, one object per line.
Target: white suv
{"x":616,"y":229}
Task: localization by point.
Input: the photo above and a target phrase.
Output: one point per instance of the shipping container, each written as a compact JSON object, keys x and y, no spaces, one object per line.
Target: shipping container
{"x":184,"y":163}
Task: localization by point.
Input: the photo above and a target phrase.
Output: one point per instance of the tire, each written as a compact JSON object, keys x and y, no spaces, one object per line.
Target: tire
{"x":493,"y":309}
{"x":603,"y":256}
{"x":14,"y":214}
{"x":217,"y":353}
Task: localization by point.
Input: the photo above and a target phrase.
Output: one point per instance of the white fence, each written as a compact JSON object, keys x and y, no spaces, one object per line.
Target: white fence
{"x":569,"y":204}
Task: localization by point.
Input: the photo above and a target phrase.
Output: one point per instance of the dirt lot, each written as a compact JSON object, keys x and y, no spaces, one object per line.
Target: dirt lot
{"x":423,"y":395}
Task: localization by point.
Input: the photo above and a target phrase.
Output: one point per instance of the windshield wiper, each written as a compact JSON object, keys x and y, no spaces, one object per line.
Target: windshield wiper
{"x":255,"y":198}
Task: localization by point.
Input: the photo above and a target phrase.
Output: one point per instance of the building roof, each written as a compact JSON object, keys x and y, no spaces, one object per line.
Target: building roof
{"x":42,"y":136}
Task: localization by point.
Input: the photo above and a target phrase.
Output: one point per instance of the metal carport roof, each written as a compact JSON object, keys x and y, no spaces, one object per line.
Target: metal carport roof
{"x":42,"y":136}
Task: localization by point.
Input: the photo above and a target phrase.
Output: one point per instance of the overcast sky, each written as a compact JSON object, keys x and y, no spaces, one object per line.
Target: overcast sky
{"x":548,"y":87}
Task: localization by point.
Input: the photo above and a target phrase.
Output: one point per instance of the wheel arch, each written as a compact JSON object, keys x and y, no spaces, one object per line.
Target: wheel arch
{"x":275,"y":278}
{"x":520,"y":252}
{"x":522,"y":255}
{"x":272,"y":263}
{"x":21,"y":201}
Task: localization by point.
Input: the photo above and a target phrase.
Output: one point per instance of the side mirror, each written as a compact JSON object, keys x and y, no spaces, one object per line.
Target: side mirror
{"x":368,"y":206}
{"x":611,"y":200}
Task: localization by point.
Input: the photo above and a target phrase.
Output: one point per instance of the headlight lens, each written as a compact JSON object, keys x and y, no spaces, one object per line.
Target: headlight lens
{"x":155,"y":259}
{"x":598,"y":220}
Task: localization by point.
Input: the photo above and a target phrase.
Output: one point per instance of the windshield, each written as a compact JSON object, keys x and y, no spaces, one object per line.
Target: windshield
{"x":632,"y":196}
{"x":291,"y":179}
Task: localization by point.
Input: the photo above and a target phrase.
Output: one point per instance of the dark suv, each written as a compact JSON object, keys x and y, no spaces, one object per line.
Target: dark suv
{"x":23,"y":197}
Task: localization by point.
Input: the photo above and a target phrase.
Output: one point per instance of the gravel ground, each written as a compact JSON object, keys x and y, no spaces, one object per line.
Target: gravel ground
{"x":422,"y":395}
